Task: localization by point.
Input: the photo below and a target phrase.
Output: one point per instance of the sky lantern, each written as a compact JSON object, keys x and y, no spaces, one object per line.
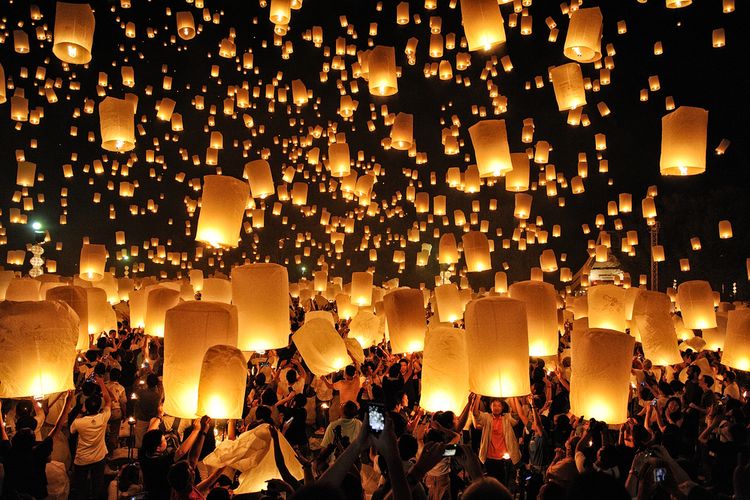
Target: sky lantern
{"x":445,"y":370}
{"x":402,"y":135}
{"x":382,"y":71}
{"x":449,"y":305}
{"x":185,"y":25}
{"x":655,"y":328}
{"x":190,"y":329}
{"x":491,"y":148}
{"x":737,"y":342}
{"x":158,"y":302}
{"x":101,"y":316}
{"x":696,"y":302}
{"x":483,"y":24}
{"x":321,"y":347}
{"x":501,"y":282}
{"x":584,"y":40}
{"x":222,"y":208}
{"x":522,"y":208}
{"x":367,"y":328}
{"x":599,"y":383}
{"x":75,"y":297}
{"x":448,"y":249}
{"x":339,"y":159}
{"x":217,"y":290}
{"x":540,"y":299}
{"x":74,"y":32}
{"x":606,"y":308}
{"x":677,"y":4}
{"x":221,"y":387}
{"x":517,"y":179}
{"x":476,"y":251}
{"x":261,"y":294}
{"x":497,"y":347}
{"x":92,"y":262}
{"x":23,"y":289}
{"x":258,"y":173}
{"x":116,"y":125}
{"x":725,"y":229}
{"x":567,"y":81}
{"x":404,"y":311}
{"x":684,"y":141}
{"x":361,"y":291}
{"x":3,"y":90}
{"x":38,"y":340}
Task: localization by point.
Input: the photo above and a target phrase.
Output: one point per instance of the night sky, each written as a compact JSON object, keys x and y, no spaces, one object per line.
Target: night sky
{"x":690,"y":70}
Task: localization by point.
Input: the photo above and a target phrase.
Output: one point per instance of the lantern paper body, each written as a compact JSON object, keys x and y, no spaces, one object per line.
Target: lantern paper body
{"x":191,"y":328}
{"x":490,"y":140}
{"x":74,"y":32}
{"x":221,"y":390}
{"x":606,"y":308}
{"x":223,"y":205}
{"x":684,"y":136}
{"x":567,"y":81}
{"x":137,"y":300}
{"x":261,"y":294}
{"x":38,"y":342}
{"x":737,"y":342}
{"x":159,"y":300}
{"x":448,"y":303}
{"x":260,"y":178}
{"x":541,"y":314}
{"x":367,"y":328}
{"x":497,"y":347}
{"x":23,"y":289}
{"x":116,"y":124}
{"x":404,"y":312}
{"x":600,"y":374}
{"x":696,"y":302}
{"x":476,"y":251}
{"x":93,"y":260}
{"x":584,"y":40}
{"x":252,"y":454}
{"x":483,"y":24}
{"x":382,"y":71}
{"x":362,"y":289}
{"x":654,"y":325}
{"x":322,"y":348}
{"x":447,"y":249}
{"x":217,"y":290}
{"x":445,"y":370}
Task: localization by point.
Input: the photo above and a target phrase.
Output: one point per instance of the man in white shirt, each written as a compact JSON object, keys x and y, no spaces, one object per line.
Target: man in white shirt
{"x":349,"y":425}
{"x":91,"y":426}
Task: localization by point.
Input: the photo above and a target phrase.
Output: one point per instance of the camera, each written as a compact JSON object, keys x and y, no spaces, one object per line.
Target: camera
{"x":660,"y":474}
{"x":375,"y":417}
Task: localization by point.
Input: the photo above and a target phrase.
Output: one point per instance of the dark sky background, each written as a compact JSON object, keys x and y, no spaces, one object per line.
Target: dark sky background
{"x":690,"y":70}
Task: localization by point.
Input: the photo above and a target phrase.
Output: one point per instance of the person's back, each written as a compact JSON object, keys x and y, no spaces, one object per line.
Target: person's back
{"x":147,"y":404}
{"x":24,"y":461}
{"x":91,"y":443}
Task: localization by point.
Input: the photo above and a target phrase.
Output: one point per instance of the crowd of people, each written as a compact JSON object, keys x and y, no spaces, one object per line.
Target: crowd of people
{"x":110,"y":439}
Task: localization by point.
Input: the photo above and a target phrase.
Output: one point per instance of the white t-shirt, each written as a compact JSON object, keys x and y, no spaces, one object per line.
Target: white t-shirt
{"x":91,"y":443}
{"x":116,"y":391}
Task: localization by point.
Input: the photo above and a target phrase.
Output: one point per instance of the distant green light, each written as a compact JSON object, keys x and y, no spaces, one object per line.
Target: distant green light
{"x":36,"y":226}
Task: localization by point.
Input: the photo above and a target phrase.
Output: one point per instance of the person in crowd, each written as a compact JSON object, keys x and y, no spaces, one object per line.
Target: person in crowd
{"x":148,"y":398}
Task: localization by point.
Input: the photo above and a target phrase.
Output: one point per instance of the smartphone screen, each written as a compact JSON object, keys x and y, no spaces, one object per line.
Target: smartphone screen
{"x":376,"y":417}
{"x":660,"y":474}
{"x":450,"y":451}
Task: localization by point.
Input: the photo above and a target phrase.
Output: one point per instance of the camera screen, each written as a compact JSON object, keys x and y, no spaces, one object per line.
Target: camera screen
{"x":660,"y":474}
{"x":376,"y":419}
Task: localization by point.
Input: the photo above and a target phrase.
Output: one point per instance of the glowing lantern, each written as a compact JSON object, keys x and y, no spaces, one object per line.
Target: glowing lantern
{"x":116,"y":124}
{"x":677,"y":4}
{"x":483,"y":24}
{"x":476,"y":251}
{"x":321,"y":347}
{"x":449,"y":305}
{"x":548,"y":261}
{"x":606,"y":308}
{"x":367,"y":328}
{"x":445,"y":370}
{"x":382,"y":71}
{"x":74,"y":32}
{"x":338,"y":158}
{"x":522,"y":209}
{"x":600,"y":374}
{"x":404,"y":312}
{"x":362,"y":288}
{"x":190,"y":329}
{"x":23,"y":289}
{"x":222,"y":207}
{"x":261,"y":294}
{"x":501,"y":282}
{"x":402,"y":135}
{"x":696,"y":302}
{"x":541,"y":315}
{"x":683,"y":141}
{"x":567,"y":81}
{"x":221,"y":389}
{"x":584,"y":40}
{"x":39,"y":348}
{"x":159,"y":300}
{"x":77,"y":300}
{"x":725,"y":229}
{"x":92,"y":262}
{"x":655,"y":328}
{"x":737,"y":342}
{"x":217,"y":290}
{"x":517,"y":179}
{"x":490,"y":140}
{"x":448,"y":249}
{"x":497,"y":347}
{"x":185,"y":25}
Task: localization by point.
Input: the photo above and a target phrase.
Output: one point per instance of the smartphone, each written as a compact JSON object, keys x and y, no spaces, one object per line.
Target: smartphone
{"x":450,"y":450}
{"x":375,"y":417}
{"x":653,"y":403}
{"x":660,"y":474}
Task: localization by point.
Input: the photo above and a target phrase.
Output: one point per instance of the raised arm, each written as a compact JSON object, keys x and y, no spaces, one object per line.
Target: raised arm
{"x":105,"y":392}
{"x":464,"y":416}
{"x":278,"y":457}
{"x":63,"y":414}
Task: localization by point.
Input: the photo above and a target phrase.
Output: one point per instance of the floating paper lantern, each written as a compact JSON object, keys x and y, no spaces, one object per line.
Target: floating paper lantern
{"x":74,"y":32}
{"x":75,"y":297}
{"x":116,"y":124}
{"x":567,"y":81}
{"x":221,"y":389}
{"x":445,"y":370}
{"x":501,"y":282}
{"x":261,"y":294}
{"x":541,"y":315}
{"x":476,"y":251}
{"x":655,"y":328}
{"x":402,"y":132}
{"x":483,"y":24}
{"x":222,"y":208}
{"x":678,"y":4}
{"x":522,"y":208}
{"x":321,"y":347}
{"x":338,"y":159}
{"x":600,"y":374}
{"x":684,"y":141}
{"x":548,"y":261}
{"x":584,"y":40}
{"x":362,"y":289}
{"x":517,"y":179}
{"x":38,"y":341}
{"x":101,"y":317}
{"x":5,"y":278}
{"x":696,"y":302}
{"x":404,"y":311}
{"x":26,"y":173}
{"x":737,"y":342}
{"x":196,"y":279}
{"x":497,"y":347}
{"x":382,"y":71}
{"x":258,"y":173}
{"x":367,"y":328}
{"x":606,"y":308}
{"x":3,"y":91}
{"x":448,"y":249}
{"x":490,"y":140}
{"x":92,"y":262}
{"x":185,"y":25}
{"x":217,"y":290}
{"x":191,"y":328}
{"x":449,"y":305}
{"x":158,"y":302}
{"x":725,"y":229}
{"x":344,"y":306}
